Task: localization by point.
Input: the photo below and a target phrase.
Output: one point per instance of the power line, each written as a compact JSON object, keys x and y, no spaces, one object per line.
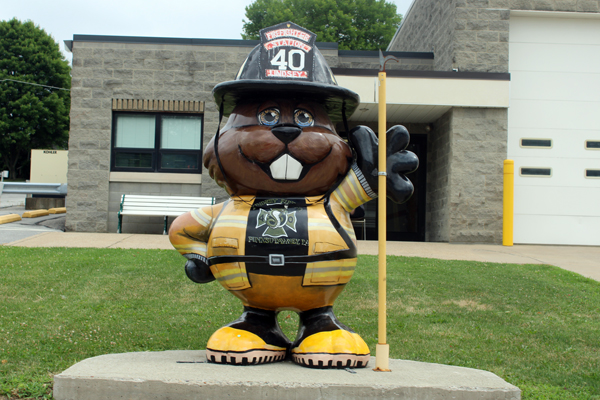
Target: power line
{"x":35,"y":84}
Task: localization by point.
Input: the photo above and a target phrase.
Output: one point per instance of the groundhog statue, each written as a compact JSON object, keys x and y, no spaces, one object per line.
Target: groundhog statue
{"x":284,"y":240}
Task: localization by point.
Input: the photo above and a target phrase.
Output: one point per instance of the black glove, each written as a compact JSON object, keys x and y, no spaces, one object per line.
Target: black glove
{"x":198,"y":270}
{"x":399,"y":161}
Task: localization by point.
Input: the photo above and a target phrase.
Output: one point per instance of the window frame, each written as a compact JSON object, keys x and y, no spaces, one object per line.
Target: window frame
{"x":525,"y":175}
{"x":594,"y":147}
{"x":156,"y":152}
{"x":593,"y":170}
{"x":536,"y":146}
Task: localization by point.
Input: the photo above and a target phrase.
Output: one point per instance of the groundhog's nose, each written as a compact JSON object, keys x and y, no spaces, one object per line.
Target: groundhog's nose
{"x":286,"y":132}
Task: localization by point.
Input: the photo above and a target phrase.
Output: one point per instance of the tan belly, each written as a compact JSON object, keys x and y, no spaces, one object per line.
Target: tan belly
{"x":286,"y":293}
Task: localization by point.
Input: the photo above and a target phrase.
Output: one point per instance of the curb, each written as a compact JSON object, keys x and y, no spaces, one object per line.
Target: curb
{"x":35,"y":213}
{"x":5,"y":219}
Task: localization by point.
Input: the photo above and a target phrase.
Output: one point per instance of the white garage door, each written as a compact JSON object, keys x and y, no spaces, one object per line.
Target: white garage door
{"x":554,"y":127}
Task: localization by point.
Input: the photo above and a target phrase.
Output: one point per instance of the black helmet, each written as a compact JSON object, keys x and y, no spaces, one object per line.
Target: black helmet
{"x":287,"y":63}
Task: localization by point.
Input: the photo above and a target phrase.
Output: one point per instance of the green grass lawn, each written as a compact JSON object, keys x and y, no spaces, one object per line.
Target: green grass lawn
{"x":538,"y":327}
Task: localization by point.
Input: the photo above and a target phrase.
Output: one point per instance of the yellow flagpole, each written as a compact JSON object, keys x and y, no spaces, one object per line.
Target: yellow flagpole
{"x":382,"y":350}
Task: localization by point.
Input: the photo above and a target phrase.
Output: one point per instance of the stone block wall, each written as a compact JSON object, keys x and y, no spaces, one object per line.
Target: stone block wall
{"x":428,"y":27}
{"x":478,"y":150}
{"x":471,"y":35}
{"x":465,"y":155}
{"x":547,"y":5}
{"x":438,"y":166}
{"x":480,"y":37}
{"x":103,"y":71}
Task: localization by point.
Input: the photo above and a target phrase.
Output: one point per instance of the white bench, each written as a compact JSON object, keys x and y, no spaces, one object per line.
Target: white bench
{"x":159,"y":206}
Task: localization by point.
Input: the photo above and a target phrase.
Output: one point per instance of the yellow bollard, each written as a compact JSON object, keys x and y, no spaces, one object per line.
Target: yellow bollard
{"x":382,"y":349}
{"x":508,"y":209}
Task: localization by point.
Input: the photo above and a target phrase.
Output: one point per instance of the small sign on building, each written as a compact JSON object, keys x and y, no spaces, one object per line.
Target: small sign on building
{"x":49,"y":166}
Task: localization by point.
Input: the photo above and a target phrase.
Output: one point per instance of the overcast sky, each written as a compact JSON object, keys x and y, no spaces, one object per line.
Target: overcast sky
{"x":220,"y":19}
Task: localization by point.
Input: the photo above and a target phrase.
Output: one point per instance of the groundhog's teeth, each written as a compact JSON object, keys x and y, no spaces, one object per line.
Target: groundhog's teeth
{"x":286,"y":167}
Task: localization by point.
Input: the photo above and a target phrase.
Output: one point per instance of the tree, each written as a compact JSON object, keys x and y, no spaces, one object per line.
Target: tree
{"x":34,"y":105}
{"x":353,"y":24}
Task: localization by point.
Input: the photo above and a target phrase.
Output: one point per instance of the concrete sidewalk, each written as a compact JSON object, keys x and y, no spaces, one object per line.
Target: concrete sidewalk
{"x":584,"y":260}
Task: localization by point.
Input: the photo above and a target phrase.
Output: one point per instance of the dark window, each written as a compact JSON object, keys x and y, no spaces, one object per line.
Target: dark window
{"x":153,"y":142}
{"x":592,"y":144}
{"x":528,"y":171}
{"x":592,"y":173}
{"x":536,"y":143}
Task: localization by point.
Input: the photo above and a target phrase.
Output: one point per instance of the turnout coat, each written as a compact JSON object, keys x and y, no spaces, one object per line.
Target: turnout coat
{"x":278,"y":252}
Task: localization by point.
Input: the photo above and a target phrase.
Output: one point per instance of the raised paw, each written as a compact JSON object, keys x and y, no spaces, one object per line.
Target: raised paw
{"x":399,"y":161}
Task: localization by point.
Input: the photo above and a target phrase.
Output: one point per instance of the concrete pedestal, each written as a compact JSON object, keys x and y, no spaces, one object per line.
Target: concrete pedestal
{"x":186,"y":375}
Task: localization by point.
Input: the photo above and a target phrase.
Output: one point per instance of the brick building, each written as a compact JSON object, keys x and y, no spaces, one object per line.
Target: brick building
{"x":451,"y":88}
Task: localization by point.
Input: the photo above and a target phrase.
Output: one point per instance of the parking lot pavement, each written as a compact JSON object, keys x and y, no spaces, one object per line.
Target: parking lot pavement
{"x":12,"y":200}
{"x":27,"y":227}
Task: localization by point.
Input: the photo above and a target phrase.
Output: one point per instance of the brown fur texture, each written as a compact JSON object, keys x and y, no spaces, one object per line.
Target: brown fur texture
{"x":245,"y":145}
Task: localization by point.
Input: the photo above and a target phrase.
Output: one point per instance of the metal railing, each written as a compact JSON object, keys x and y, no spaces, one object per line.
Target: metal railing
{"x":48,"y":189}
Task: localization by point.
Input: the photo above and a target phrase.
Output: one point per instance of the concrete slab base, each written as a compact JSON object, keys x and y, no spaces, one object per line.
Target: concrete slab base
{"x":185,"y":375}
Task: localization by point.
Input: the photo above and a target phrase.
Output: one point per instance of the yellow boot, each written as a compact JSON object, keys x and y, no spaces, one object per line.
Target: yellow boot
{"x":324,"y":342}
{"x":255,"y":338}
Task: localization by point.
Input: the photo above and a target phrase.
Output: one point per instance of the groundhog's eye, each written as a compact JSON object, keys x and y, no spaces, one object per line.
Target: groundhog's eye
{"x":269,"y":117}
{"x":303,"y":118}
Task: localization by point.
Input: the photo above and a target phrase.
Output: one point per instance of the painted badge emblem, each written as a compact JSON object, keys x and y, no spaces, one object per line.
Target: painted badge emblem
{"x":287,"y":52}
{"x":276,"y":220}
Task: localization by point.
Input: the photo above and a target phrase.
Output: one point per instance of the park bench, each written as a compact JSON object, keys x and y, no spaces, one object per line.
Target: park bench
{"x":159,"y":206}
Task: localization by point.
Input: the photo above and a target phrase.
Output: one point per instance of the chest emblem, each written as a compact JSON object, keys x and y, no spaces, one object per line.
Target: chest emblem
{"x":276,"y":221}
